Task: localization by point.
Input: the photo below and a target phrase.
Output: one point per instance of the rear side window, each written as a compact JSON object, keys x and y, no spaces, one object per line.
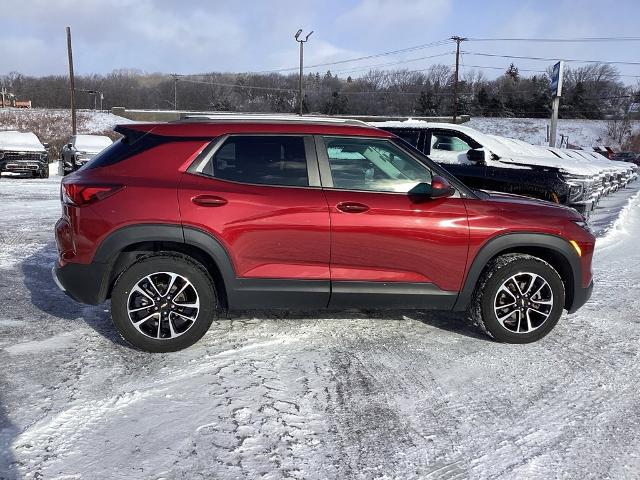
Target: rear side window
{"x":131,"y":144}
{"x":261,"y":159}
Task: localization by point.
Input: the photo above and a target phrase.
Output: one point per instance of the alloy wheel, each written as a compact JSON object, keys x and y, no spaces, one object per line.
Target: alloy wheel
{"x":523,"y":303}
{"x":163,"y":305}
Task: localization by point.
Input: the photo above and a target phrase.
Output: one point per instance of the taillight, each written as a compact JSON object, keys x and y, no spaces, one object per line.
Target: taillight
{"x":80,"y":195}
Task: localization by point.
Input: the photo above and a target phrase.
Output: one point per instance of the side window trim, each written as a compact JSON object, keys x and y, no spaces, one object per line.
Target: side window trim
{"x":313,"y":174}
{"x":326,"y":179}
{"x":197,"y":166}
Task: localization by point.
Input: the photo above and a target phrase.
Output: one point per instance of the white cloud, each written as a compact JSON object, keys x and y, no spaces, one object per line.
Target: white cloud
{"x":385,"y":17}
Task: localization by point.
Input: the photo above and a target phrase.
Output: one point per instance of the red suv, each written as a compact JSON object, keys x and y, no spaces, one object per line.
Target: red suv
{"x":178,"y":221}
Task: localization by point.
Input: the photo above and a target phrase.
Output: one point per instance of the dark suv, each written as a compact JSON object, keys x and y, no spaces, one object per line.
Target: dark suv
{"x":178,"y":221}
{"x":494,"y":163}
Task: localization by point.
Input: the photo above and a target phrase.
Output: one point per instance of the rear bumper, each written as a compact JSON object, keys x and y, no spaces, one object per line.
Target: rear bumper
{"x":83,"y":283}
{"x":580,"y":296}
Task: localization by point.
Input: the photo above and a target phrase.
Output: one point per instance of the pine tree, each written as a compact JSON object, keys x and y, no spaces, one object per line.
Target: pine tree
{"x":512,"y":72}
{"x":425,"y":105}
{"x":482,"y":98}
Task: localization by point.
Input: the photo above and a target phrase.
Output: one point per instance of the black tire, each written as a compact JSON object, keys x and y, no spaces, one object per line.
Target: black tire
{"x":498,"y":271}
{"x":44,"y":173}
{"x":183,"y":266}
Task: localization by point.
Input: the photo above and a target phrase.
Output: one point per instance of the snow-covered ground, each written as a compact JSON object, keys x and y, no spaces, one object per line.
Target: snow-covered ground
{"x":585,"y":133}
{"x":351,"y":395}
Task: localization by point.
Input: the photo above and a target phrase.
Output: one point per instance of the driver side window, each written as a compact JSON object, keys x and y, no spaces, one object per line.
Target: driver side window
{"x":373,"y":165}
{"x":449,"y":143}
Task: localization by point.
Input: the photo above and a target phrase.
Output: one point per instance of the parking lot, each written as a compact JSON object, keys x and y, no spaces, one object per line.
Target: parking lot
{"x":327,"y":395}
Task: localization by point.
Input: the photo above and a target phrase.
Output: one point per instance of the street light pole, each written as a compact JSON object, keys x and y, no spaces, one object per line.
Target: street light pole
{"x":301,"y":42}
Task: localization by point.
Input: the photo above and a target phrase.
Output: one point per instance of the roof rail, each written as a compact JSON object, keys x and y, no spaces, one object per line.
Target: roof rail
{"x":267,"y":117}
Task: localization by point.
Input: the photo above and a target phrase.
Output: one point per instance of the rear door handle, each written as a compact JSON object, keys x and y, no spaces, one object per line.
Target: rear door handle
{"x":352,"y":207}
{"x":209,"y":201}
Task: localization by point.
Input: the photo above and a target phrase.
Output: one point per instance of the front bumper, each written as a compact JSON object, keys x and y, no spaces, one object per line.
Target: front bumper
{"x":580,"y":296}
{"x":83,"y":283}
{"x":18,"y":166}
{"x":584,"y":207}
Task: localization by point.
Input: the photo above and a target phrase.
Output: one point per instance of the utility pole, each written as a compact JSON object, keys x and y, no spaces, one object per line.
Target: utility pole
{"x":556,"y":91}
{"x":301,"y":42}
{"x":175,"y":90}
{"x":4,"y":92}
{"x":72,"y":82}
{"x":458,"y":40}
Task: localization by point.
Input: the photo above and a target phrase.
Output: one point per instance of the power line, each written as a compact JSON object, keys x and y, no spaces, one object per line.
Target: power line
{"x":503,"y":68}
{"x":521,"y":57}
{"x":234,"y":85}
{"x":365,"y":57}
{"x":369,"y":67}
{"x":534,"y":71}
{"x":558,"y":40}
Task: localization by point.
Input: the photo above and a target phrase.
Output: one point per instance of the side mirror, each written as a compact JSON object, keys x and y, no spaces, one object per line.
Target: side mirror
{"x":69,"y":145}
{"x":438,"y":188}
{"x":476,"y":155}
{"x":45,"y":145}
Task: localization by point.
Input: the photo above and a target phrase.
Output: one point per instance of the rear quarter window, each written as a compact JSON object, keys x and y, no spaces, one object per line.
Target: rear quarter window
{"x":131,"y":144}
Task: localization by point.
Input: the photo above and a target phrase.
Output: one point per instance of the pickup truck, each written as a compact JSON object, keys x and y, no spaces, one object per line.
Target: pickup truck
{"x":487,"y":162}
{"x":22,"y":153}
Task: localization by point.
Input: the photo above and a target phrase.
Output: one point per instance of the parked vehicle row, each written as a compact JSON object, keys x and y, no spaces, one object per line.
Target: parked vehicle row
{"x":577,"y":178}
{"x":22,"y":153}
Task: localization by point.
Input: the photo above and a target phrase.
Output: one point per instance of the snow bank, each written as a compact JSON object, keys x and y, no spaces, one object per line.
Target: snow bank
{"x":587,"y":133}
{"x":624,"y":227}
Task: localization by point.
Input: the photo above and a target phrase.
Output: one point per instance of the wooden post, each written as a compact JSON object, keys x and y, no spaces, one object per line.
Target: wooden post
{"x":72,"y":83}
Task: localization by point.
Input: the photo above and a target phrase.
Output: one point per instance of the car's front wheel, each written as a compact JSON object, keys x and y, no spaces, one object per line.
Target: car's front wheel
{"x":164,"y":302}
{"x":519,"y":299}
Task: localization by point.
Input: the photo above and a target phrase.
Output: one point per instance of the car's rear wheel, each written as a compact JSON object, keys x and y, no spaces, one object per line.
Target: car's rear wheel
{"x":164,"y":303}
{"x":519,"y":299}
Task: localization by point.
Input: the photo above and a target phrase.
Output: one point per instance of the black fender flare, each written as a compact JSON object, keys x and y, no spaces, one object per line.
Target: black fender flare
{"x":116,"y":242}
{"x":511,"y":241}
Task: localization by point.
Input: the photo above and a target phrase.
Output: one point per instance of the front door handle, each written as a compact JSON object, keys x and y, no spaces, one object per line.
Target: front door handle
{"x":209,"y":201}
{"x":352,"y":207}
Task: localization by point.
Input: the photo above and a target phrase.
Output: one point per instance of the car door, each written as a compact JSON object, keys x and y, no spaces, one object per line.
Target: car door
{"x":389,"y":247}
{"x":260,"y":197}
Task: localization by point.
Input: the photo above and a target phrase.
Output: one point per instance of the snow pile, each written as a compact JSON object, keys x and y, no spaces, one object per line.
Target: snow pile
{"x":586,"y":133}
{"x":623,"y":228}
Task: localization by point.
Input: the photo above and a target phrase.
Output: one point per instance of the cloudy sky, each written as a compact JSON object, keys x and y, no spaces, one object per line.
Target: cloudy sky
{"x":193,"y":36}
